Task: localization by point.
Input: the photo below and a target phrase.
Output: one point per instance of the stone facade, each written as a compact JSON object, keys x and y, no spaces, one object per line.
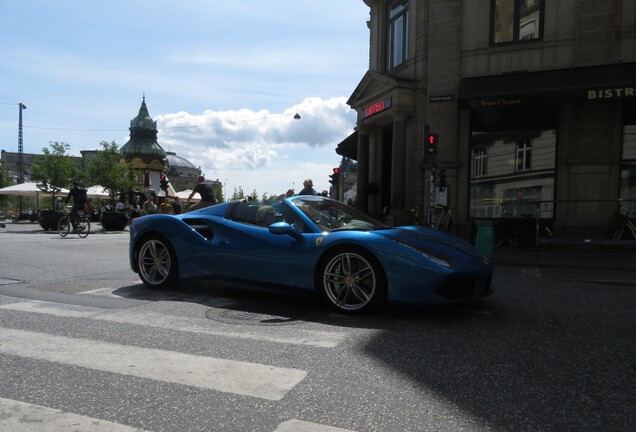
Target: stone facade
{"x":534,"y":106}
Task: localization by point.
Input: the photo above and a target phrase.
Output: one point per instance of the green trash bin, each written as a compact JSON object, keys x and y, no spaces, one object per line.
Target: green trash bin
{"x":484,"y":237}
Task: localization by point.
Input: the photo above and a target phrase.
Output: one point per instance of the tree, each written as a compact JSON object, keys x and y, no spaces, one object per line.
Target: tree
{"x":238,"y":194}
{"x":55,"y":169}
{"x":4,"y":180}
{"x":106,"y":170}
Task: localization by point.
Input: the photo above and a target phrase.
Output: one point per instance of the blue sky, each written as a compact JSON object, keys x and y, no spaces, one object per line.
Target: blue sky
{"x":222,"y":79}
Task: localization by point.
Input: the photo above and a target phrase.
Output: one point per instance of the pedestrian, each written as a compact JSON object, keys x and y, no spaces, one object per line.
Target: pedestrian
{"x":79,"y":195}
{"x":176,"y":206}
{"x":206,"y":191}
{"x":135,"y":209}
{"x":308,"y":188}
{"x":149,"y":206}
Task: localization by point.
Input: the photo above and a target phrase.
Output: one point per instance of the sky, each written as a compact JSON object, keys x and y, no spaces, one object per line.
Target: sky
{"x":222,"y":80}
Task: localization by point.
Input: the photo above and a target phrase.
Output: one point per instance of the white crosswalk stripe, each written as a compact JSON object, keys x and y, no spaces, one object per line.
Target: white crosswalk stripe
{"x":249,"y":379}
{"x":244,"y":378}
{"x":18,"y":416}
{"x":321,"y":339}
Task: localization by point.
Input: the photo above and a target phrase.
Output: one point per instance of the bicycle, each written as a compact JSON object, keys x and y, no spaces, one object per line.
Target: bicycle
{"x":515,"y":232}
{"x":82,"y":225}
{"x":624,"y":226}
{"x":443,"y":217}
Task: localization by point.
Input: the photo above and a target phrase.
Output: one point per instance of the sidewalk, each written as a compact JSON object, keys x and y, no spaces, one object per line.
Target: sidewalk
{"x":583,"y":257}
{"x":34,"y":228}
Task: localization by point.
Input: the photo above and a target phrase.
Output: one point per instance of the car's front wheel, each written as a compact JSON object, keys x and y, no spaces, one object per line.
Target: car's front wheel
{"x":352,"y":281}
{"x":157,"y":263}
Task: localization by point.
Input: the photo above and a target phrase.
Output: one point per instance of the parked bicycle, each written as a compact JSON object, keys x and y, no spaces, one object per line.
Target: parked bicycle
{"x":442,"y":218}
{"x":516,"y":232}
{"x":624,"y":229}
{"x":82,"y":225}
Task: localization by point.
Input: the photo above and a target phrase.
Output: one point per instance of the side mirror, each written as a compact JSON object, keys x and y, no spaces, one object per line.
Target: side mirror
{"x":284,"y":228}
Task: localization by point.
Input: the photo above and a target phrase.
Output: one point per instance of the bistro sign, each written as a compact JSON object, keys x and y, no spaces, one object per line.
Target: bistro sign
{"x":611,"y":93}
{"x":377,"y":107}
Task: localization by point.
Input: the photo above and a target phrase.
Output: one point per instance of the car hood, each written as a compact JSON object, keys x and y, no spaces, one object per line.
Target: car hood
{"x":437,"y":242}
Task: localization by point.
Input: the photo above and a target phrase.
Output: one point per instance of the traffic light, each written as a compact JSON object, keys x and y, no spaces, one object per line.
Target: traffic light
{"x":431,"y":145}
{"x":335,"y":178}
{"x":442,"y":180}
{"x":163,"y":183}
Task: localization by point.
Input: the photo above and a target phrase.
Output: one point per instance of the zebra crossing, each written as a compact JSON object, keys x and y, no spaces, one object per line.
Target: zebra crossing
{"x":266,"y":382}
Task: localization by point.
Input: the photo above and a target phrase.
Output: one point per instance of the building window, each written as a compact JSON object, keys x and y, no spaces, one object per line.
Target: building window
{"x":523,"y":155}
{"x":628,"y":169}
{"x":398,"y":33}
{"x":479,"y":162}
{"x":512,"y":172}
{"x":516,"y":21}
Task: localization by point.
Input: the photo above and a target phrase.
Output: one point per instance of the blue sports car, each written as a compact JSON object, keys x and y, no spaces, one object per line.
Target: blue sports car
{"x":309,"y":244}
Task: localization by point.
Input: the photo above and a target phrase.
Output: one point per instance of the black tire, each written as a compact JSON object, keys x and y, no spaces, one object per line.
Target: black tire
{"x":529,"y":236}
{"x":87,"y":229}
{"x":63,"y":226}
{"x":615,"y":234}
{"x":352,"y":281}
{"x":156,"y":262}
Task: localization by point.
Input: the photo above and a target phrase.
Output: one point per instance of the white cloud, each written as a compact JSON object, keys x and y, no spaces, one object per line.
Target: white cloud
{"x":261,"y":150}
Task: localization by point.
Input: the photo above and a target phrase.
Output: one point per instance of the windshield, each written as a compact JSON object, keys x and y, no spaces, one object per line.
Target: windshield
{"x":330,"y":215}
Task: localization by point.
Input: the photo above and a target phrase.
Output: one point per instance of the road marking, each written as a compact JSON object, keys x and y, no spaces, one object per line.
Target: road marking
{"x":531,"y":272}
{"x":230,"y":376}
{"x":18,"y":416}
{"x":302,"y":426}
{"x":322,"y":339}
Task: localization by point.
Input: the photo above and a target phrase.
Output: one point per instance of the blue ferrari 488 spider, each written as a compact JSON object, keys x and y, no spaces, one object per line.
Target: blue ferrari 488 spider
{"x":309,"y":244}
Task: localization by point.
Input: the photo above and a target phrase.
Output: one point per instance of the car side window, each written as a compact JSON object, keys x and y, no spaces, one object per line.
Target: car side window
{"x":292,"y":218}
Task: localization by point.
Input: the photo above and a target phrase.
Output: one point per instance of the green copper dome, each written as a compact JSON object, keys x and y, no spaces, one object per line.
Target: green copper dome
{"x":143,"y":139}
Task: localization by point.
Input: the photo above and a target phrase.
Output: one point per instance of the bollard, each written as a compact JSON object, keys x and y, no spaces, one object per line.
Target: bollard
{"x":484,"y":238}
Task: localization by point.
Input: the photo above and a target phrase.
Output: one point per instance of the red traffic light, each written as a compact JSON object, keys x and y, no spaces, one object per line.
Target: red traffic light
{"x":336,"y":170}
{"x":431,"y":145}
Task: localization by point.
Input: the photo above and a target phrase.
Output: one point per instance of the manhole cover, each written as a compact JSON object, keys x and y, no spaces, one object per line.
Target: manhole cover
{"x":257,"y":314}
{"x":7,"y":281}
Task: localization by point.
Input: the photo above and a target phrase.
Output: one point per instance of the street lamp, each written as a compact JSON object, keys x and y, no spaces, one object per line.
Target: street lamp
{"x":20,"y":146}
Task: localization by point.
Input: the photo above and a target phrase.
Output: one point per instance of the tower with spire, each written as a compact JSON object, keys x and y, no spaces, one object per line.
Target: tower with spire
{"x":143,"y":151}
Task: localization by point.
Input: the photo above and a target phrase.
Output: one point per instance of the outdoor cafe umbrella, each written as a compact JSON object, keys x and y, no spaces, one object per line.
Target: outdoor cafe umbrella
{"x":27,"y":189}
{"x":184,"y":194}
{"x":97,"y":191}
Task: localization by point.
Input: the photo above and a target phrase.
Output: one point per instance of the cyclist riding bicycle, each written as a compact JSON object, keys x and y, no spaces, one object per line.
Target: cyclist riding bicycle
{"x":78,"y":193}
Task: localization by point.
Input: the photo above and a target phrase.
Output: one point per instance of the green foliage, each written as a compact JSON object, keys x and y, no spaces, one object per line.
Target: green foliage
{"x":107,"y":170}
{"x":219,"y":195}
{"x":4,"y":181}
{"x":55,"y":169}
{"x":238,"y":194}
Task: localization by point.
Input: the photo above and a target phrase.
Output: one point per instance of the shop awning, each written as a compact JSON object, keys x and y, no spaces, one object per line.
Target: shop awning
{"x":349,"y":147}
{"x":575,"y":83}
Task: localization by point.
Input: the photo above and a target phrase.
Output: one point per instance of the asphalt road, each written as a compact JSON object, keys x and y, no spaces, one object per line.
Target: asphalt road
{"x":83,"y":343}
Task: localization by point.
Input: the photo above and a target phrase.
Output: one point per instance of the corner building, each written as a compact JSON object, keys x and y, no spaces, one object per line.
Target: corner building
{"x":533,"y":102}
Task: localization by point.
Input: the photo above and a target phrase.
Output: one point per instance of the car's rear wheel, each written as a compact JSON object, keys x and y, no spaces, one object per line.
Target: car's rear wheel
{"x":156,"y":262}
{"x":352,"y":281}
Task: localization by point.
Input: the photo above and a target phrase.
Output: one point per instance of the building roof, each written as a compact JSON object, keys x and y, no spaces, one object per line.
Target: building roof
{"x":177,"y":161}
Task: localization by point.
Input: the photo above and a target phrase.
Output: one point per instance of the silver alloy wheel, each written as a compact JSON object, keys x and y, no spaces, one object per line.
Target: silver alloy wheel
{"x":349,"y":281}
{"x":155,"y":263}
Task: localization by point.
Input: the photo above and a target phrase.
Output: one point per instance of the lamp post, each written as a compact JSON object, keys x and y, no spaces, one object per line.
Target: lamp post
{"x":20,"y":146}
{"x":20,"y":154}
